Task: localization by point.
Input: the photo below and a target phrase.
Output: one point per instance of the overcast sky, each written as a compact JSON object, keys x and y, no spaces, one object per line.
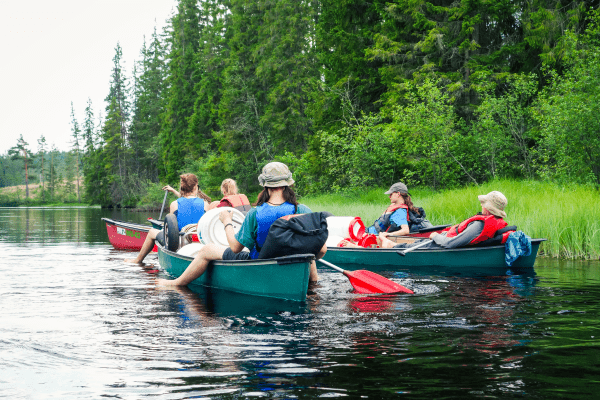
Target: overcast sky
{"x":55,"y":52}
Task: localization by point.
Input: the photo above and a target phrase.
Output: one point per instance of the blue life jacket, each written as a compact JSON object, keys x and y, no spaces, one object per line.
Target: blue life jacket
{"x":382,"y":223}
{"x":265,"y":216}
{"x":189,"y":211}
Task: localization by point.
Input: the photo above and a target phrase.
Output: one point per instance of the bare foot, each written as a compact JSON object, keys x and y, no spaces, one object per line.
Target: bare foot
{"x":132,"y":261}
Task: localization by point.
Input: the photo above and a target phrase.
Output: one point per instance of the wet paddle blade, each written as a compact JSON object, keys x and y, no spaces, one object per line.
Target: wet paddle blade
{"x":365,"y":282}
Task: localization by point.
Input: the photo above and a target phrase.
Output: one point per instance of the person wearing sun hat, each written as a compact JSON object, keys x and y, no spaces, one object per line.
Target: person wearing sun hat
{"x":401,"y":217}
{"x":276,"y":200}
{"x":473,"y":230}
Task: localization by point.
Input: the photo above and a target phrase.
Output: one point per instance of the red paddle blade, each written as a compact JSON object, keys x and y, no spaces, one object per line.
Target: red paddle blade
{"x":365,"y":282}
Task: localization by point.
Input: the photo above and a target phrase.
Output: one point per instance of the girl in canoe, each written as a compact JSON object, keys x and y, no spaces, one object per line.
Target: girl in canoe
{"x":188,"y":208}
{"x":477,"y":229}
{"x":231,"y":197}
{"x":401,"y":217}
{"x":276,"y":200}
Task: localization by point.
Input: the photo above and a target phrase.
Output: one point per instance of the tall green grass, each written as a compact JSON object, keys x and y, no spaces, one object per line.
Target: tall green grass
{"x":568,"y":216}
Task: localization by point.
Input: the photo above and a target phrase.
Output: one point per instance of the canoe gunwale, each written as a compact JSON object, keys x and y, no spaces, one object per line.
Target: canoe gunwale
{"x":127,"y":225}
{"x":295,"y":259}
{"x":442,"y":250}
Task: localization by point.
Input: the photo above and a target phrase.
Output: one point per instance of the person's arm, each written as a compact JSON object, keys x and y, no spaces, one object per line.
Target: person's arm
{"x":462,"y":239}
{"x":399,"y":222}
{"x":170,"y":189}
{"x":173,"y":207}
{"x":226,"y":218}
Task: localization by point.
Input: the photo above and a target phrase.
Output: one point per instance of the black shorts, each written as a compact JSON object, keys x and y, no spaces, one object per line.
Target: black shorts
{"x":229,"y":255}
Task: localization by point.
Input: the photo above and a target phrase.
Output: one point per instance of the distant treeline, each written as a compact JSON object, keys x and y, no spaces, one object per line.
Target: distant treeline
{"x":352,"y":94}
{"x":52,"y":173}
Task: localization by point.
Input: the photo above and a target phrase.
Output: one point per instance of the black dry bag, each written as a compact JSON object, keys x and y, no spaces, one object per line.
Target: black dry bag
{"x":301,"y":234}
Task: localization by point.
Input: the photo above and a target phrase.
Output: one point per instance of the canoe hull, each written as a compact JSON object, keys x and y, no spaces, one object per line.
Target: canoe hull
{"x":126,"y":235}
{"x":468,"y":259}
{"x":282,"y":278}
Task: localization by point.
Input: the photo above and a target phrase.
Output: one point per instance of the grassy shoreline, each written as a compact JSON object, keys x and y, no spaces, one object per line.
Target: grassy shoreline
{"x":568,"y":216}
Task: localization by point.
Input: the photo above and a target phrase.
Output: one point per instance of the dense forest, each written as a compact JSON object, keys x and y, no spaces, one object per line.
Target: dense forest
{"x":350,"y":94}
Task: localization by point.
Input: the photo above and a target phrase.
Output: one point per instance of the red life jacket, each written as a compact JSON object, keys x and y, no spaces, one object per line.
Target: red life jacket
{"x":491,"y":225}
{"x":238,"y":201}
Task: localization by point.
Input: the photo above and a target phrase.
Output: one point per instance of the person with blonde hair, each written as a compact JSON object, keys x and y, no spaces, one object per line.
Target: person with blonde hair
{"x":231,"y":197}
{"x":188,"y":209}
{"x":276,"y":200}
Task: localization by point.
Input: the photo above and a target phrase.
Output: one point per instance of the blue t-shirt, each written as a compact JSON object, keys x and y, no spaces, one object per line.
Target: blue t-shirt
{"x":249,"y":230}
{"x":398,"y":217}
{"x":189,"y":211}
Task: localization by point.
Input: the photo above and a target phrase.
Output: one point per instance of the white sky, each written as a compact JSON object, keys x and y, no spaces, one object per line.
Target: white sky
{"x":55,"y":52}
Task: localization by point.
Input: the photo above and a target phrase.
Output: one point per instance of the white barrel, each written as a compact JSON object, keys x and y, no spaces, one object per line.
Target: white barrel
{"x":212,"y":229}
{"x":344,"y":226}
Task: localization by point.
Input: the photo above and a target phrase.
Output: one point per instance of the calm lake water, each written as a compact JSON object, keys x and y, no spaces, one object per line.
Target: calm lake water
{"x":76,"y":322}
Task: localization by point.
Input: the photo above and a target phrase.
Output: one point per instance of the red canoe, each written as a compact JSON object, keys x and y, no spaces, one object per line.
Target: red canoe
{"x":126,"y":235}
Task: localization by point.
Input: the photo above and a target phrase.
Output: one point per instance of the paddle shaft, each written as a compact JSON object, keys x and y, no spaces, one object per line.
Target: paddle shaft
{"x":163,"y":205}
{"x":416,"y":246}
{"x":330,"y":265}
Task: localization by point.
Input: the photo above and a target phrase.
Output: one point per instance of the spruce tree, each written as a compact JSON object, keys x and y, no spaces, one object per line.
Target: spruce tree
{"x":76,"y":134}
{"x":184,"y":41}
{"x":41,"y":155}
{"x":22,"y":153}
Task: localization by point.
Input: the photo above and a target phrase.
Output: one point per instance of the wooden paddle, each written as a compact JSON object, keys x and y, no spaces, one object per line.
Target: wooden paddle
{"x":416,"y":246}
{"x":163,"y":205}
{"x":365,"y":282}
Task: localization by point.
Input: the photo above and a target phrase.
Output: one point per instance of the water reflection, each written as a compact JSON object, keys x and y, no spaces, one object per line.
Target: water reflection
{"x":77,"y":322}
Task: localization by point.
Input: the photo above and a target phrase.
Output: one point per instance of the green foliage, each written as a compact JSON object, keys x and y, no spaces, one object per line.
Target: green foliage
{"x":350,"y":94}
{"x":568,"y":117}
{"x":505,"y":129}
{"x":571,"y":225}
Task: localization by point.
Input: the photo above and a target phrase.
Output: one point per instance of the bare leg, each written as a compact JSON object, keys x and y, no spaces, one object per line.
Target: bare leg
{"x":313,"y":275}
{"x":146,"y":247}
{"x":197,"y":267}
{"x":385,"y":242}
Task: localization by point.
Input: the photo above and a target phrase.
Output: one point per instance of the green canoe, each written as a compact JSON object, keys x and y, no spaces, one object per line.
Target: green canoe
{"x":283,"y":278}
{"x":467,"y":259}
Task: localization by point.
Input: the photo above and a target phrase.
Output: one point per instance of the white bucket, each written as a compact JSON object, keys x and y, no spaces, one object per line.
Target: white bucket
{"x":212,"y":229}
{"x":344,"y":226}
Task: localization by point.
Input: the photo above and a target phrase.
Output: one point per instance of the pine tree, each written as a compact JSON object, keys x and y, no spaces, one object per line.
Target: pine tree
{"x":76,"y":148}
{"x":148,"y":103}
{"x":22,"y":153}
{"x":184,"y":41}
{"x":41,"y":155}
{"x":52,"y":177}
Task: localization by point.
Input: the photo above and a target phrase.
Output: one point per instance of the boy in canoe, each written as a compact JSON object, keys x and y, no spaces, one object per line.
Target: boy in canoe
{"x":276,"y":200}
{"x":474,"y":230}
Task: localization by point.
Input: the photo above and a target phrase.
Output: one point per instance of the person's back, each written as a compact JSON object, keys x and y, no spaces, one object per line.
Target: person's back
{"x":189,"y":211}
